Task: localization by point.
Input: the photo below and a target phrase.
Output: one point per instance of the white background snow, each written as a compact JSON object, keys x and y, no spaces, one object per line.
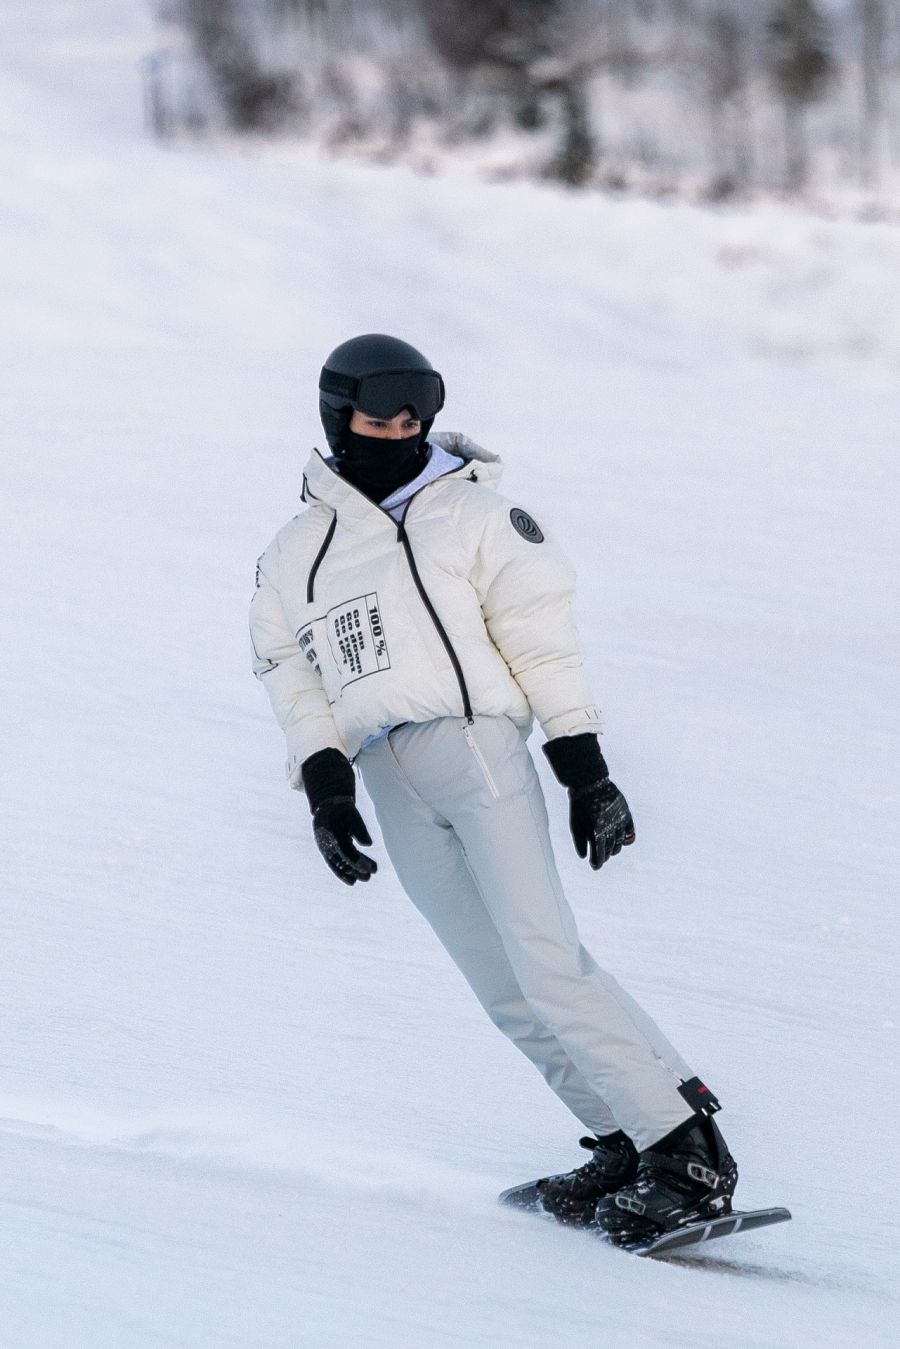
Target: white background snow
{"x":243,"y":1106}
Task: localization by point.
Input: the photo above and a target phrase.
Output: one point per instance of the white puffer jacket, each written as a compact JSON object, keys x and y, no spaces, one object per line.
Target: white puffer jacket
{"x":359,"y":623}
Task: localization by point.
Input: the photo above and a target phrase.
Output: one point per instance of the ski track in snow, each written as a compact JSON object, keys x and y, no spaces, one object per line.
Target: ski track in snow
{"x":241,"y":1106}
{"x":206,"y":1143}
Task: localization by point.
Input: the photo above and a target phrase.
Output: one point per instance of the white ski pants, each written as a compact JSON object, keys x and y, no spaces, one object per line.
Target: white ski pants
{"x":465,"y":824}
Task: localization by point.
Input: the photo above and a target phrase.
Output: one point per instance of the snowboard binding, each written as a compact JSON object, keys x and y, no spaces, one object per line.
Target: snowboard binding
{"x":688,"y":1180}
{"x":571,"y":1197}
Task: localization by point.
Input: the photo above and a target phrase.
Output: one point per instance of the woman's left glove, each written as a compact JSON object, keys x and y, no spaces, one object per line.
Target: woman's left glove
{"x":599,"y":816}
{"x":331,"y":789}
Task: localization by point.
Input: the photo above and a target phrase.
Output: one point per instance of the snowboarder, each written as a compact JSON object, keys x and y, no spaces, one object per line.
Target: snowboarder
{"x":413,"y":622}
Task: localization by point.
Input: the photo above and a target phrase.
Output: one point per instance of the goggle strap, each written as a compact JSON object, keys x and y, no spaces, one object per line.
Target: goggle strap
{"x":344,"y":386}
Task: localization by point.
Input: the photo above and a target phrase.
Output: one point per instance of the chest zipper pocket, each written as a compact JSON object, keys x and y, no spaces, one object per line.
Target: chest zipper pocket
{"x":481,"y":761}
{"x":311,"y":579}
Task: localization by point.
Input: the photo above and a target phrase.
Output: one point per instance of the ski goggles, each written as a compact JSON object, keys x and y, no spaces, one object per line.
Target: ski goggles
{"x":386,"y":393}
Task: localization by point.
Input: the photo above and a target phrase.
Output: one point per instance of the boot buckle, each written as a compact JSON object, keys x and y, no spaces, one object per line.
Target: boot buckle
{"x":703,"y":1174}
{"x":630,"y":1205}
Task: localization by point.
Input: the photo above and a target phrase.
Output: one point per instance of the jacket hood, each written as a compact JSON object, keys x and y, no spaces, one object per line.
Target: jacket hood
{"x":454,"y":442}
{"x":322,"y":483}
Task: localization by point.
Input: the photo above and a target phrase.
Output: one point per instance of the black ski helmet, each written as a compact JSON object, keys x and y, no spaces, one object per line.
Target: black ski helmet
{"x":379,"y":375}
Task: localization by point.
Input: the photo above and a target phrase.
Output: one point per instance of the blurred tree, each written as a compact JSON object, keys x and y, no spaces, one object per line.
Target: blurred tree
{"x":801,"y":67}
{"x":872,"y":20}
{"x":727,"y":60}
{"x":296,"y":9}
{"x":533,"y":49}
{"x":253,"y":98}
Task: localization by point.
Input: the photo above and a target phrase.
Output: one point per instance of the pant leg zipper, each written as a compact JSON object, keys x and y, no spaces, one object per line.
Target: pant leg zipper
{"x":481,"y":761}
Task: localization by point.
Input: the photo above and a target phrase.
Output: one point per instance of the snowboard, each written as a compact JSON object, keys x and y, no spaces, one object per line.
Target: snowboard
{"x":528,"y":1197}
{"x":693,"y":1233}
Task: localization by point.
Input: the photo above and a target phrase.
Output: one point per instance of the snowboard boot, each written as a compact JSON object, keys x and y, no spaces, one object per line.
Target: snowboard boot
{"x":572,"y":1196}
{"x":687,"y":1177}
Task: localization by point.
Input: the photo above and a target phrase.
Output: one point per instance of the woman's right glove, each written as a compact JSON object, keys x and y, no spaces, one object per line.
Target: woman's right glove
{"x":331,"y":790}
{"x":599,"y":816}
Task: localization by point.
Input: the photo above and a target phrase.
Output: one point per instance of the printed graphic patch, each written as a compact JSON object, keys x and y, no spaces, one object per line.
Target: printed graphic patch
{"x":357,"y":638}
{"x":305,"y":642}
{"x":523,"y":524}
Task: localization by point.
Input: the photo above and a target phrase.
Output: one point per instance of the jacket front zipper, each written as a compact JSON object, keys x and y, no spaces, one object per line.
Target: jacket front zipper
{"x":448,"y":645}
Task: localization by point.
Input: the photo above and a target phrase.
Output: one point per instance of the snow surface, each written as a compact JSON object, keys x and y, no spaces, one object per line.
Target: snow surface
{"x":243,"y":1106}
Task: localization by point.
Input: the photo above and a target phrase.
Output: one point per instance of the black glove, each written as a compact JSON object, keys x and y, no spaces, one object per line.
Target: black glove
{"x":598,"y":812}
{"x":331,"y":789}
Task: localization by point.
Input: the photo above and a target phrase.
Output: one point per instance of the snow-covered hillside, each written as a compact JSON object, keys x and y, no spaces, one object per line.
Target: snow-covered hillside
{"x":243,"y":1106}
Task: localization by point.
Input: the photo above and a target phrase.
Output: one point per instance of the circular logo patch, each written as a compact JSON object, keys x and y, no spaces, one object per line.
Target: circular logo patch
{"x":523,"y":524}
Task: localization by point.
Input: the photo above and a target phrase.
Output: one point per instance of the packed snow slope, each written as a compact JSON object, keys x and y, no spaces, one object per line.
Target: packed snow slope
{"x":241,"y":1105}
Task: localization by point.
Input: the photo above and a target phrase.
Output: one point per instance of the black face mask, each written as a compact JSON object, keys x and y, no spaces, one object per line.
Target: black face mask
{"x":378,"y":467}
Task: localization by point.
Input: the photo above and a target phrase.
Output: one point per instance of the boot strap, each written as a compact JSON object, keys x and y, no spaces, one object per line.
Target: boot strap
{"x":704,"y":1174}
